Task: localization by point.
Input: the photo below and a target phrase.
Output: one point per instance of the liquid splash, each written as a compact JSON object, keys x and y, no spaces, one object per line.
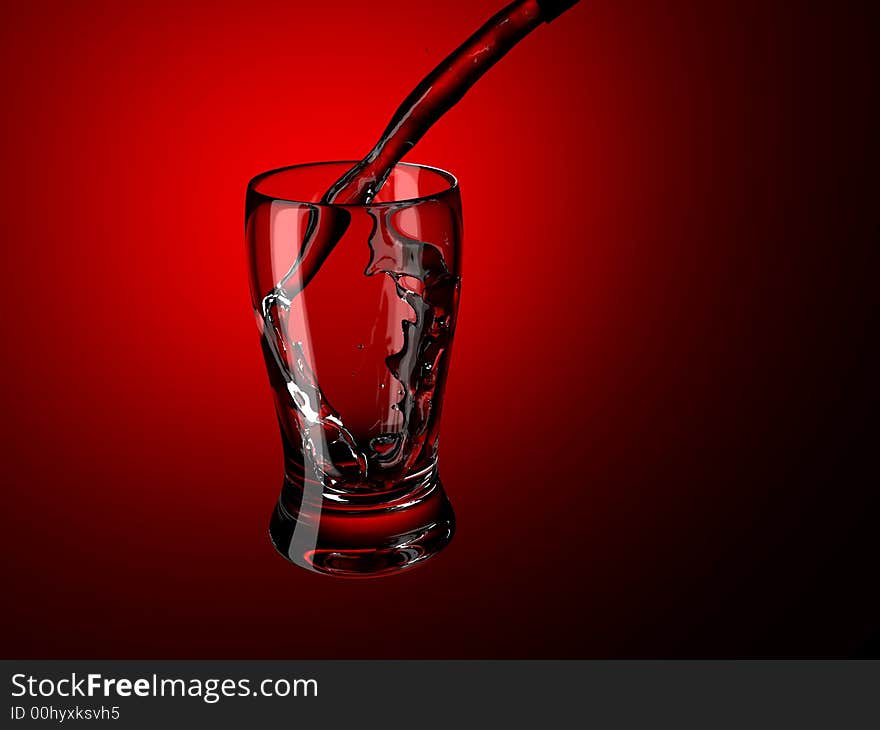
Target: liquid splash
{"x":420,"y":276}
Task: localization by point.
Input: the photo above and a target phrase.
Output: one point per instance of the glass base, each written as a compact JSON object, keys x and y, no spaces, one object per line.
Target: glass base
{"x":363,"y":543}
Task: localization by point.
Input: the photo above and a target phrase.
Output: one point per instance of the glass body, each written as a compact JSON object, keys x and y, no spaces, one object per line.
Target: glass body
{"x":356,"y":329}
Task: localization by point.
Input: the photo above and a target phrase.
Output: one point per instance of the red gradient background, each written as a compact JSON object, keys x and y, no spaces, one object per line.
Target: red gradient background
{"x":653,"y":433}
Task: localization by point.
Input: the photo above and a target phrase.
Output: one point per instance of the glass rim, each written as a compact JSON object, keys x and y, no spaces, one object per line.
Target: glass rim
{"x":452,"y":185}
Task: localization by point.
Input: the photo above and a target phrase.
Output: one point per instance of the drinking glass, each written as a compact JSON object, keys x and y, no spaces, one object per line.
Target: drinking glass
{"x":357,"y":350}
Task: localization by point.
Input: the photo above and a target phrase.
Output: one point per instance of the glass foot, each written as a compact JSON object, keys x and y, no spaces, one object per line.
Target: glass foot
{"x":364,"y":543}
